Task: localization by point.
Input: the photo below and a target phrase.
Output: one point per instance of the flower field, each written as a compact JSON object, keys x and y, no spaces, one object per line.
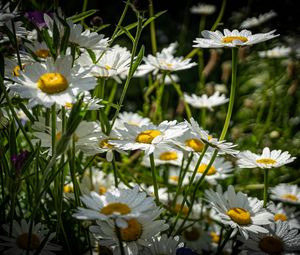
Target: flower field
{"x":120,"y":138}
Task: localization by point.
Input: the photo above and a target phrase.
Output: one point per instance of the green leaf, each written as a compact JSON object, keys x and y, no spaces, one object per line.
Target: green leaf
{"x":137,"y":61}
{"x":48,"y":41}
{"x":92,"y":55}
{"x":102,"y":27}
{"x":65,"y":38}
{"x":81,"y":16}
{"x":56,"y":37}
{"x":12,"y":140}
{"x":127,"y":33}
{"x":148,"y":21}
{"x":128,"y":28}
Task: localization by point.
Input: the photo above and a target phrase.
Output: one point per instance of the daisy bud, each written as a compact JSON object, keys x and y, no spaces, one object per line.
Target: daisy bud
{"x":19,"y":160}
{"x":97,"y":21}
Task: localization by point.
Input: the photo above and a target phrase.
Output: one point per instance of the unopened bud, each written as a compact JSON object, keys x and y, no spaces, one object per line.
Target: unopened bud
{"x":97,"y":21}
{"x":274,"y":134}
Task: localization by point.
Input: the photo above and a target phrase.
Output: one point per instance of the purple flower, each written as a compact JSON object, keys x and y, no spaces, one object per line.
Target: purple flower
{"x":37,"y":17}
{"x":19,"y":160}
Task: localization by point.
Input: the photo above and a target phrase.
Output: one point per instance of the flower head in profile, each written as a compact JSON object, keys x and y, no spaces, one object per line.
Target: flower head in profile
{"x":277,"y":52}
{"x":268,"y":159}
{"x":234,"y":38}
{"x":203,"y":9}
{"x":238,"y":211}
{"x":52,"y":82}
{"x":18,"y":242}
{"x":256,"y":21}
{"x":285,"y":192}
{"x":130,"y":118}
{"x":280,"y":239}
{"x":206,"y":101}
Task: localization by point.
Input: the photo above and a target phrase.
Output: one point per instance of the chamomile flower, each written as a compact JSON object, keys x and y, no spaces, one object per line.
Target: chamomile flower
{"x":165,"y":155}
{"x":20,"y":31}
{"x":222,"y":146}
{"x":17,"y":244}
{"x":277,"y":52}
{"x":203,"y":9}
{"x":231,"y":39}
{"x":268,"y":159}
{"x":91,"y":103}
{"x":86,"y":39}
{"x":219,"y":170}
{"x":256,"y":21}
{"x":136,"y":235}
{"x":280,"y":240}
{"x":52,"y":82}
{"x":147,"y":137}
{"x":173,"y":177}
{"x":130,"y":118}
{"x":5,"y":14}
{"x":285,"y":213}
{"x":206,"y":101}
{"x":119,"y":204}
{"x":12,"y":67}
{"x":286,"y":193}
{"x":164,"y":61}
{"x":163,"y":245}
{"x":39,"y":49}
{"x":238,"y":211}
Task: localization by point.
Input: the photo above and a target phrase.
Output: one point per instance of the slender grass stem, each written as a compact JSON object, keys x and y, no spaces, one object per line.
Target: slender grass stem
{"x":153,"y":171}
{"x":266,"y":186}
{"x":152,"y":29}
{"x":118,"y":233}
{"x":226,"y":239}
{"x":220,"y":16}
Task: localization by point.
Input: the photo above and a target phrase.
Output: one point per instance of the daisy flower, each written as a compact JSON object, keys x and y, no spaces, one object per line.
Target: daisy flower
{"x":165,"y":61}
{"x":12,"y":67}
{"x":238,"y":211}
{"x":280,"y":240}
{"x":222,"y":146}
{"x":147,"y":137}
{"x":119,"y":204}
{"x":113,"y":63}
{"x":86,"y":39}
{"x":285,"y":213}
{"x":17,"y":244}
{"x":203,"y":9}
{"x":268,"y":159}
{"x":163,"y":245}
{"x":205,"y":101}
{"x":39,"y":49}
{"x":231,"y":39}
{"x":52,"y":82}
{"x":286,"y":193}
{"x":219,"y":170}
{"x":21,"y":32}
{"x":135,"y":236}
{"x":277,"y":52}
{"x":173,"y":177}
{"x":130,"y":118}
{"x":256,"y":21}
{"x":165,"y":155}
{"x":5,"y":14}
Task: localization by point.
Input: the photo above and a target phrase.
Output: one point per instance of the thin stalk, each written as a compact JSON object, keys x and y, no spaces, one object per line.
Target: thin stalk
{"x":232,"y":92}
{"x":129,"y":76}
{"x":118,"y":233}
{"x":16,"y":44}
{"x":155,"y":186}
{"x":202,"y":23}
{"x":115,"y":170}
{"x":111,"y":97}
{"x":53,"y":129}
{"x":72,"y":156}
{"x":226,"y":239}
{"x":266,"y":185}
{"x":203,"y":118}
{"x":152,"y":29}
{"x":160,"y":91}
{"x":220,"y":16}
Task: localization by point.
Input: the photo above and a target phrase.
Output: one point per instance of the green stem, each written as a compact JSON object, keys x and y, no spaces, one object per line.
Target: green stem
{"x":158,"y":115}
{"x":115,"y":170}
{"x":152,"y":29}
{"x":155,"y":186}
{"x":118,"y":233}
{"x":53,"y":128}
{"x":202,"y":24}
{"x":220,"y":16}
{"x":232,"y":93}
{"x":266,"y":185}
{"x":16,"y":44}
{"x":72,"y":166}
{"x":111,"y":97}
{"x":201,"y":83}
{"x":226,"y":239}
{"x":203,"y":118}
{"x":130,"y":74}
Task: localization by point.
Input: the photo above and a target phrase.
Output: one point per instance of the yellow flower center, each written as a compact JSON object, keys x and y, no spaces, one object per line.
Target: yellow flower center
{"x":104,"y":144}
{"x":22,"y":241}
{"x":52,"y":83}
{"x":214,"y":237}
{"x":267,"y":161}
{"x":271,"y":245}
{"x":169,"y":65}
{"x":115,"y":208}
{"x":68,"y":188}
{"x":202,"y":167}
{"x":229,"y":39}
{"x":192,"y":235}
{"x":102,"y":190}
{"x":185,"y":210}
{"x":168,"y":155}
{"x":239,"y":216}
{"x":132,"y":232}
{"x":290,"y":197}
{"x":195,"y":144}
{"x":280,"y":216}
{"x":68,"y":105}
{"x":16,"y":70}
{"x":42,"y":53}
{"x":107,"y":67}
{"x":147,"y":136}
{"x":174,"y":178}
{"x":58,"y":136}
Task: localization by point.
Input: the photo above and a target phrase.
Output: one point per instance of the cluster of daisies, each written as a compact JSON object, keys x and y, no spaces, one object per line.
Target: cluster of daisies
{"x":168,"y":213}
